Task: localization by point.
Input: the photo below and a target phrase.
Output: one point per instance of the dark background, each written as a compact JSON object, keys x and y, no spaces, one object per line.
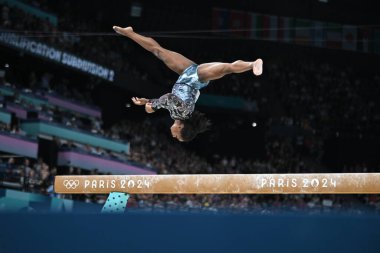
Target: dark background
{"x":158,"y":17}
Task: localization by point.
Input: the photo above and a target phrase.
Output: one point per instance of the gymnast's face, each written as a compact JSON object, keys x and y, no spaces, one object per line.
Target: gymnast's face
{"x":176,"y":129}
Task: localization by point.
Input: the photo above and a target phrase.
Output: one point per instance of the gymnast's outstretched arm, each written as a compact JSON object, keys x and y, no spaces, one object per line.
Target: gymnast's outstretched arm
{"x":152,"y":105}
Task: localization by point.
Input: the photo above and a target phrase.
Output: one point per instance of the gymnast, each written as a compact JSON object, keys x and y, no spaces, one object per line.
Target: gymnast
{"x":185,"y":92}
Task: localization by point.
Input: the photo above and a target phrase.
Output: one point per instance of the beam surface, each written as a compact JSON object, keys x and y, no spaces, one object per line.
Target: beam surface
{"x":330,"y":183}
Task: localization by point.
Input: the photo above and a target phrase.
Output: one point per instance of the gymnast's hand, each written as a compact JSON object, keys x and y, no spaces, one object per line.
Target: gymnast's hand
{"x":148,"y":108}
{"x":139,"y":101}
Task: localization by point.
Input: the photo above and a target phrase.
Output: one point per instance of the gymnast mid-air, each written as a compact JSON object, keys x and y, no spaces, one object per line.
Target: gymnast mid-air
{"x":193,"y":77}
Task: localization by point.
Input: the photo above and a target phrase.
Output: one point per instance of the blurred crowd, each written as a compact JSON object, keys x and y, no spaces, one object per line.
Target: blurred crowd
{"x":66,"y":35}
{"x":38,"y":88}
{"x":329,"y":95}
{"x":157,"y":151}
{"x":35,"y":176}
{"x":27,"y":174}
{"x":305,"y":101}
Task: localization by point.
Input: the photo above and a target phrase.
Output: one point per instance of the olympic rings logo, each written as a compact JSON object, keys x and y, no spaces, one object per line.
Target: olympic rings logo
{"x":71,"y":184}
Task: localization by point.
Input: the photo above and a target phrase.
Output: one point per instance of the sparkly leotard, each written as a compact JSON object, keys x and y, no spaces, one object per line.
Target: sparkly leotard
{"x":181,"y":101}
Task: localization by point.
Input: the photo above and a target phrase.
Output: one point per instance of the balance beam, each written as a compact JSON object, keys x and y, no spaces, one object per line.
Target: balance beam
{"x":319,"y":183}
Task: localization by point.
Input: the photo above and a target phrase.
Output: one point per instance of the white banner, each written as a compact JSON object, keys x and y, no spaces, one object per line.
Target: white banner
{"x":45,"y":51}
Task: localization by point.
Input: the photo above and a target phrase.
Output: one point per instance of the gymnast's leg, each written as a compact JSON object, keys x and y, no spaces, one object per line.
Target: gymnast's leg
{"x":175,"y":61}
{"x":216,"y":70}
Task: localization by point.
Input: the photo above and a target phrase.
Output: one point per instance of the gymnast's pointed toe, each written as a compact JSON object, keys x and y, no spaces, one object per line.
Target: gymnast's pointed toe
{"x":122,"y":31}
{"x":258,"y":67}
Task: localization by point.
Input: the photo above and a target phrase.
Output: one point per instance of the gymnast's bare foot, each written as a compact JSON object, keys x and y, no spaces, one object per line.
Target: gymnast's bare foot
{"x":258,"y":67}
{"x":123,"y":31}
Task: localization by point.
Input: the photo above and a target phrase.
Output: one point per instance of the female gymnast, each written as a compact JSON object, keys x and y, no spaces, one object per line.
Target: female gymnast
{"x":181,"y":101}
